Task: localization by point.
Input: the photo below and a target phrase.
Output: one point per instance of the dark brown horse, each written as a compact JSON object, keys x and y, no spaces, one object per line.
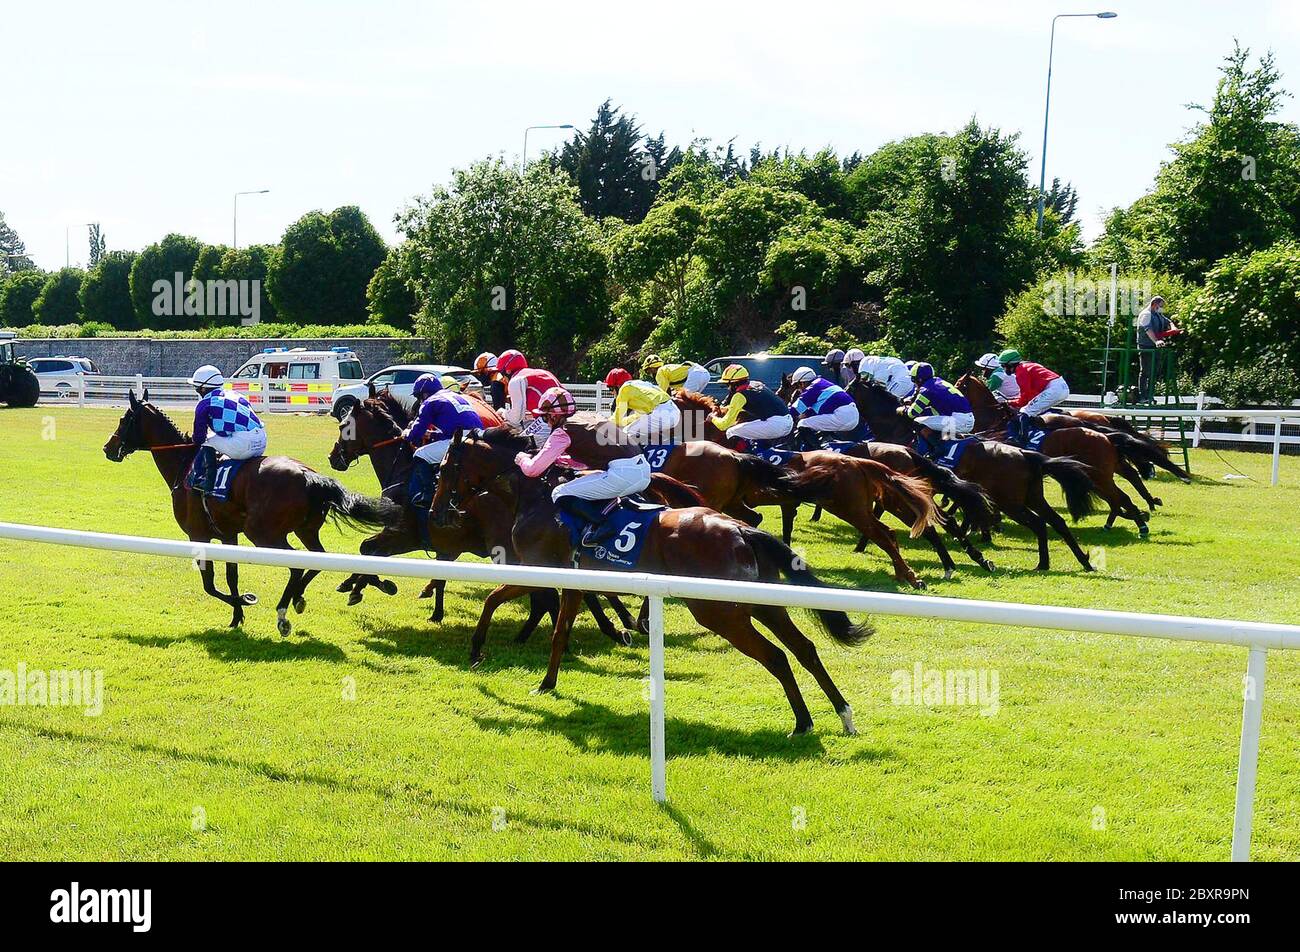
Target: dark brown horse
{"x":694,"y":541}
{"x":271,"y":498}
{"x":1011,"y":477}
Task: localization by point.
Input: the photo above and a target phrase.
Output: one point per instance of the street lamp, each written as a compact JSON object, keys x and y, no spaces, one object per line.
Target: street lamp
{"x":1042,"y":174}
{"x":523,"y":164}
{"x":234,"y":230}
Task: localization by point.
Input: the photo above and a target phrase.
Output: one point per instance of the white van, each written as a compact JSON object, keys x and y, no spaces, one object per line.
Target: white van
{"x":299,"y":379}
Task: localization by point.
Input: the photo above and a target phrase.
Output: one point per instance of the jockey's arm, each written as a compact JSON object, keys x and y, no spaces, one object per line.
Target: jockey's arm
{"x":533,"y":466}
{"x":516,"y":409}
{"x":202,"y":418}
{"x":734,"y":407}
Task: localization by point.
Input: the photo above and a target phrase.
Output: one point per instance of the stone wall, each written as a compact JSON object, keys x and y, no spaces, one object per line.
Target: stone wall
{"x":126,"y":356}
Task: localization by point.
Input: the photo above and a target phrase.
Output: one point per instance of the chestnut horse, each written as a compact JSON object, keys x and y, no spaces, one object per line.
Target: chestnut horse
{"x":270,"y":498}
{"x":695,"y":541}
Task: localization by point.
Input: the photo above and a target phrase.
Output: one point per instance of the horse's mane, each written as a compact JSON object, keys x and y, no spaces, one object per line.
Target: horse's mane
{"x":396,"y":409}
{"x":383,"y":410}
{"x":176,"y":435}
{"x":504,"y":438}
{"x":691,"y":400}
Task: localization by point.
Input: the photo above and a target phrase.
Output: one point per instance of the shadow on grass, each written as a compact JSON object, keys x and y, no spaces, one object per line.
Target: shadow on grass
{"x":235,"y":644}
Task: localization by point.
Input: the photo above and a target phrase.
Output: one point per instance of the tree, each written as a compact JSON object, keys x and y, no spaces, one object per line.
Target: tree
{"x":59,"y":301}
{"x":1232,"y":186}
{"x":98,"y":246}
{"x":13,"y":253}
{"x":507,"y":259}
{"x":169,"y":264}
{"x":819,"y":178}
{"x":323,"y":267}
{"x":250,"y":264}
{"x":1061,"y":199}
{"x":659,"y":249}
{"x":389,"y":296}
{"x":106,"y":291}
{"x":615,"y":176}
{"x":17,"y":295}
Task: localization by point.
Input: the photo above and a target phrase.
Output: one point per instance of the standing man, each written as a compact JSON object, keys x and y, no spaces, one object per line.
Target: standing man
{"x":1154,"y":329}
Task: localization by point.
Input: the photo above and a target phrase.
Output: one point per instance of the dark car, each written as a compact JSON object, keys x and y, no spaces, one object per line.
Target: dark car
{"x":767,"y":368}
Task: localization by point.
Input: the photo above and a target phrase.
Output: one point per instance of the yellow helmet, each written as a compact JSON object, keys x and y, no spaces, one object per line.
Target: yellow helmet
{"x":451,"y":383}
{"x":650,"y":365}
{"x":735,"y":373}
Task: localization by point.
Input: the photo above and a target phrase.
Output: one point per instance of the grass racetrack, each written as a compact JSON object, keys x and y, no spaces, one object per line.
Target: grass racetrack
{"x":219,"y":744}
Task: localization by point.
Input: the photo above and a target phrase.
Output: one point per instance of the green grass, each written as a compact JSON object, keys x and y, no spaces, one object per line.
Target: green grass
{"x":254,"y":730}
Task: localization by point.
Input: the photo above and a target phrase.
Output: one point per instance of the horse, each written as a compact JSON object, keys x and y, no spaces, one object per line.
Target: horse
{"x":374,"y":428}
{"x":1098,"y":450}
{"x":694,"y":541}
{"x":270,"y":498}
{"x":1011,"y":477}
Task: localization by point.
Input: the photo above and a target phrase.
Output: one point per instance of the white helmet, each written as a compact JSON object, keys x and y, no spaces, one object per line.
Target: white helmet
{"x":207,"y":377}
{"x":803,"y":375}
{"x":988,"y":362}
{"x":854,"y":356}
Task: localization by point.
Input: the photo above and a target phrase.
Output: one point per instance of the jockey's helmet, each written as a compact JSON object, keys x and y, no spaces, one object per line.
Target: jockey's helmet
{"x":207,"y":377}
{"x":734,"y":375}
{"x":834,"y":357}
{"x":485,"y":363}
{"x":854,"y":356}
{"x":988,"y":362}
{"x":511,"y":362}
{"x":803,"y":375}
{"x":451,"y":383}
{"x":1009,"y":357}
{"x":921,"y":372}
{"x":616,"y":378}
{"x":426,"y":385}
{"x":651,"y":364}
{"x":556,"y":402}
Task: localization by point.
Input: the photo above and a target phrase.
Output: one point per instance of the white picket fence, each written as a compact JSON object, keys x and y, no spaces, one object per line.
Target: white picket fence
{"x":1257,"y":637}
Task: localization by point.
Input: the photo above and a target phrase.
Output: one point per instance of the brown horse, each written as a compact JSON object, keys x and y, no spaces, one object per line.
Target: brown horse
{"x":694,"y":541}
{"x":1098,"y":450}
{"x":1011,"y":477}
{"x":271,"y":497}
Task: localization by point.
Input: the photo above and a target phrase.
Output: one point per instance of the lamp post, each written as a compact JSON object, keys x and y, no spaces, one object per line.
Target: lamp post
{"x":234,"y":229}
{"x":523,"y":163}
{"x":1042,"y":174}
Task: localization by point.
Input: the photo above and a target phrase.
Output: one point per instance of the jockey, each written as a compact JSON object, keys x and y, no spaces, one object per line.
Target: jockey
{"x":834,"y":364}
{"x":237,"y":431}
{"x":650,"y":368}
{"x":524,"y":387}
{"x":890,"y":372}
{"x":645,"y":412}
{"x":821,"y":407}
{"x":441,"y":415}
{"x":684,"y":376}
{"x":1001,"y":384}
{"x":938,"y":405}
{"x":765,"y":415}
{"x":853,"y":358}
{"x":485,"y":369}
{"x":587,"y":496}
{"x":1040,"y":390}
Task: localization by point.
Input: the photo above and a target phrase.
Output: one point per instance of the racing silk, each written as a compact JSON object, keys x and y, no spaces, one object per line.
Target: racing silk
{"x":554,"y":450}
{"x":440,"y":416}
{"x":636,"y":398}
{"x":937,"y":397}
{"x":753,"y":401}
{"x":224,"y":413}
{"x":671,"y":375}
{"x":524,"y":392}
{"x":821,"y":397}
{"x":1003,"y":384}
{"x":1033,"y":379}
{"x":885,"y":370}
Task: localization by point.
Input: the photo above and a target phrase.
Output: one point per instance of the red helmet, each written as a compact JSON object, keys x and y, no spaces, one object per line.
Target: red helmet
{"x":616,"y":378}
{"x":511,"y":362}
{"x":557,"y":401}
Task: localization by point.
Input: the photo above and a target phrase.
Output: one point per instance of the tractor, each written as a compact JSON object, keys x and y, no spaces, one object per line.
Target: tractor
{"x":18,"y":385}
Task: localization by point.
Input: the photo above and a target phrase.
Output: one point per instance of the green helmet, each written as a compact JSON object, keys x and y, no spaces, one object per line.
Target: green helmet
{"x":1009,"y":356}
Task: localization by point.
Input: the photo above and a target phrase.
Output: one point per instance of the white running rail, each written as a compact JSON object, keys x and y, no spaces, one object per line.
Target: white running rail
{"x":1257,"y":637}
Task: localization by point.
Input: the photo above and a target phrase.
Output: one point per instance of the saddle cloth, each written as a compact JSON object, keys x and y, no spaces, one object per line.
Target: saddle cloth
{"x":226,"y":472}
{"x":949,"y":452}
{"x":630,"y":524}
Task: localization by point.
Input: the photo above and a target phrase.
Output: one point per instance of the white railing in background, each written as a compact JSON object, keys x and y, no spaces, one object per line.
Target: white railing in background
{"x":1257,"y":637}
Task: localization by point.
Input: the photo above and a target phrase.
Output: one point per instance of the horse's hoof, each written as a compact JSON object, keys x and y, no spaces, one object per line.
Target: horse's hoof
{"x":626,"y":637}
{"x":918,"y":585}
{"x":1156,"y":501}
{"x":283,"y":627}
{"x":1144,"y":530}
{"x":345,"y":585}
{"x":543,"y":689}
{"x":388,"y":586}
{"x":436,"y":617}
{"x":1105,"y":528}
{"x":300,"y":604}
{"x":424,"y":592}
{"x":248,"y":598}
{"x":948,"y":574}
{"x":800,"y":730}
{"x":990,"y":567}
{"x":355,"y":597}
{"x":1089,"y":568}
{"x":474,"y":663}
{"x":237,"y":621}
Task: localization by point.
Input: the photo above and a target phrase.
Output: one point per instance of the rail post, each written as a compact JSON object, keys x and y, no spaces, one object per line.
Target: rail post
{"x":139,"y":386}
{"x":1277,"y":449}
{"x":658,"y":772}
{"x":1252,"y":715}
{"x":1196,"y":430}
{"x":81,"y":390}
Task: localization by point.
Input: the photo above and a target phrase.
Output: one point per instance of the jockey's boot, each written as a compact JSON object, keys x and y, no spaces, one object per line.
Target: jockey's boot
{"x":808,"y":439}
{"x":593,"y":513}
{"x":207,"y":463}
{"x":419,"y":495}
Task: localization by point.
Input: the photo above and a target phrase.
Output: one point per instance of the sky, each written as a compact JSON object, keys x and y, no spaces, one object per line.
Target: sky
{"x":147,"y":117}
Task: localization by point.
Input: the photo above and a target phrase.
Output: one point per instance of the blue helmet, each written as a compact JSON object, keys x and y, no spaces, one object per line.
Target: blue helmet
{"x":922,"y":372}
{"x":426,"y":385}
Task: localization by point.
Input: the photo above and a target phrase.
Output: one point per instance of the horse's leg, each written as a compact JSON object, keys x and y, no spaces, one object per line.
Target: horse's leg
{"x":347,"y":584}
{"x":1034,"y":523}
{"x":936,"y":543}
{"x":816,"y":517}
{"x":860,"y":516}
{"x":207,"y":571}
{"x":788,"y":511}
{"x":310,"y":537}
{"x":777,"y":620}
{"x":592,"y":601}
{"x":290,"y":589}
{"x":569,"y":602}
{"x":498,"y":596}
{"x":1119,"y":501}
{"x":624,"y":616}
{"x":541,"y":601}
{"x":1053,"y":519}
{"x":959,"y":533}
{"x":1129,"y":472}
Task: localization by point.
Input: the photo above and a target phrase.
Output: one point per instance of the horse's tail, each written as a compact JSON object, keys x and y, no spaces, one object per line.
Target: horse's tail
{"x":776,"y":556}
{"x":674,"y":493}
{"x":1143,"y":449}
{"x":812,"y":485}
{"x":911,"y":493}
{"x":1075,"y":479}
{"x":969,"y":497}
{"x":330,"y":497}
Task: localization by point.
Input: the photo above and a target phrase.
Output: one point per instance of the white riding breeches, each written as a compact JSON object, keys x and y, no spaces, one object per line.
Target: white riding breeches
{"x":242,"y":444}
{"x":838,"y":421}
{"x":657,"y":426}
{"x":1052,"y":394}
{"x":771,"y":428}
{"x":432,"y":453}
{"x":623,"y":478}
{"x":697,"y":378}
{"x":949,"y":427}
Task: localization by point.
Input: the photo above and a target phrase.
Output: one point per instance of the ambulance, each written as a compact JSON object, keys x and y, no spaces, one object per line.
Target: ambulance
{"x":280,"y":378}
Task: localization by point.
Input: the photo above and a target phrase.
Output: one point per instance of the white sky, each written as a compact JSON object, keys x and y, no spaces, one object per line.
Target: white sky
{"x":147,"y":117}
